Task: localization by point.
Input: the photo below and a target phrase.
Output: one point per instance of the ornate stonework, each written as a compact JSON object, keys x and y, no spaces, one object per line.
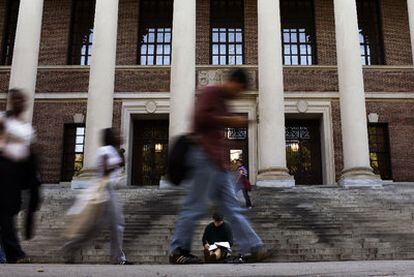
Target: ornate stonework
{"x":208,"y":77}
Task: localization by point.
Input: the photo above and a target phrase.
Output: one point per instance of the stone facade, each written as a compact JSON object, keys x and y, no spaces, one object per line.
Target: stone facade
{"x":54,"y":76}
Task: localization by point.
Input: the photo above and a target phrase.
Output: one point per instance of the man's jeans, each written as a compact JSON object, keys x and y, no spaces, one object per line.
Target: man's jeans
{"x":208,"y":182}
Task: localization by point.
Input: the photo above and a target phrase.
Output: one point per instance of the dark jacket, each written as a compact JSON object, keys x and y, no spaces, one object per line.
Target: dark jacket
{"x":213,"y":234}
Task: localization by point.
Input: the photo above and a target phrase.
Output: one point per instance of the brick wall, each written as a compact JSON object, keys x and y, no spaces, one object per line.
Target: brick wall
{"x":2,"y":22}
{"x":400,"y":118}
{"x":62,"y":80}
{"x":396,"y":32}
{"x":325,"y":32}
{"x":250,"y":31}
{"x":143,"y":80}
{"x":55,"y":32}
{"x":203,"y":32}
{"x":49,"y":118}
{"x":127,"y":32}
{"x":337,"y":138}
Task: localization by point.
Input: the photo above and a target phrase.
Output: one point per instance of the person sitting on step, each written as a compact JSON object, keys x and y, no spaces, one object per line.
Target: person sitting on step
{"x":217,"y":239}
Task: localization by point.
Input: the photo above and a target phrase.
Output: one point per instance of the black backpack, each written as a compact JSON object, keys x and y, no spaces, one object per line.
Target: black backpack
{"x":178,"y":170}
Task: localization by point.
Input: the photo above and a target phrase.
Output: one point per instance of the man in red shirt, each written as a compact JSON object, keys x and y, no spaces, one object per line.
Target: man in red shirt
{"x":210,"y":179}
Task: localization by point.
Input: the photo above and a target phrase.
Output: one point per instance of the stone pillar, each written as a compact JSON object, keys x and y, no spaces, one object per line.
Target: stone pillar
{"x":273,"y":170}
{"x":357,"y":170}
{"x":182,"y":66}
{"x":102,"y":77}
{"x":410,"y":6}
{"x":26,"y":51}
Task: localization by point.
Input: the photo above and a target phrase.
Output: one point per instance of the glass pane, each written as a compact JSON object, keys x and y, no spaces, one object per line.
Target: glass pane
{"x":239,"y":37}
{"x":232,"y":60}
{"x":232,"y":49}
{"x":143,"y":60}
{"x":286,"y":37}
{"x":288,"y":60}
{"x":239,"y":49}
{"x":80,"y":139}
{"x":295,"y":60}
{"x":151,"y":37}
{"x":302,"y":37}
{"x":222,"y":60}
{"x":222,"y":49}
{"x":231,"y":37}
{"x":293,"y":37}
{"x":239,"y":60}
{"x":167,"y":49}
{"x":215,"y":37}
{"x":167,"y":60}
{"x":159,"y":60}
{"x":151,"y":49}
{"x":160,"y":37}
{"x":159,"y":49}
{"x":215,"y":60}
{"x":287,"y":49}
{"x":79,"y":148}
{"x":143,"y":49}
{"x":294,"y":49}
{"x":303,"y":60}
{"x":80,"y":131}
{"x":150,"y":60}
{"x":167,"y":37}
{"x":222,"y":37}
{"x":215,"y":49}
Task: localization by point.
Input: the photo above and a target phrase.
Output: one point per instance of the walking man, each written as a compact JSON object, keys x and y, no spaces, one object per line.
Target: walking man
{"x":210,"y":178}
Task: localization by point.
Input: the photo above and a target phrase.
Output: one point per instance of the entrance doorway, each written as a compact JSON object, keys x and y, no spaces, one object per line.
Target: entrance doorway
{"x":150,"y":150}
{"x":303,"y":151}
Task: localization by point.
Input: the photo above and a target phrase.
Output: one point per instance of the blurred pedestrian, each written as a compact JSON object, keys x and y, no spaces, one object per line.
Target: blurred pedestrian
{"x":109,"y":164}
{"x":16,"y":139}
{"x":243,"y":184}
{"x":210,"y":178}
{"x":217,"y":239}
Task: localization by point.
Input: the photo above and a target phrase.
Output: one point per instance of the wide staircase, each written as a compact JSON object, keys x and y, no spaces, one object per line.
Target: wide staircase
{"x":300,"y":224}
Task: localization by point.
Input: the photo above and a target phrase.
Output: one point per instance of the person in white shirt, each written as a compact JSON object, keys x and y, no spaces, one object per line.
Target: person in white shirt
{"x":16,"y":137}
{"x":108,"y":165}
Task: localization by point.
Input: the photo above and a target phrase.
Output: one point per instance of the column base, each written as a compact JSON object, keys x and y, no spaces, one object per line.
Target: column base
{"x":275,"y":178}
{"x":86,"y":177}
{"x":360,"y":177}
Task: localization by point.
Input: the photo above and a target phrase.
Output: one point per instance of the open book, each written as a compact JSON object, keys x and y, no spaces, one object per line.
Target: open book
{"x":219,"y":244}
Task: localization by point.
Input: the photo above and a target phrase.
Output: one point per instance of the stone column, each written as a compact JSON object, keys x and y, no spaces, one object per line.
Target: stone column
{"x":273,"y":170}
{"x":102,"y":77}
{"x":410,"y":6}
{"x":182,"y":66}
{"x":357,"y":170}
{"x":26,"y":51}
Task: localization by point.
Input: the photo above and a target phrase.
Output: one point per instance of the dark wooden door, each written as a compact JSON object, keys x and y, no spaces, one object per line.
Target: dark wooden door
{"x":303,"y":151}
{"x":150,"y":150}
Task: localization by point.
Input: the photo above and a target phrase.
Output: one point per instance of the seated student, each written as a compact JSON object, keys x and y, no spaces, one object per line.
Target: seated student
{"x":220,"y":232}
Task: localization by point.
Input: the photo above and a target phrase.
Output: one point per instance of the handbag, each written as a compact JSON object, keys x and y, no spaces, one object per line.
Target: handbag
{"x":88,"y":211}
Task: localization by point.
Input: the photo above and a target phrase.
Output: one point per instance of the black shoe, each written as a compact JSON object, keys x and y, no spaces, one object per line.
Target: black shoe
{"x":184,"y":257}
{"x":125,"y":263}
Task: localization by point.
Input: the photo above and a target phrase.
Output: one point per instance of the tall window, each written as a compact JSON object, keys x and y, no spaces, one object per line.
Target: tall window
{"x":155,"y":27}
{"x":379,"y":149}
{"x":80,"y":48}
{"x":227,"y":31}
{"x":73,"y":148}
{"x":298,"y":32}
{"x":10,"y":32}
{"x":370,"y":35}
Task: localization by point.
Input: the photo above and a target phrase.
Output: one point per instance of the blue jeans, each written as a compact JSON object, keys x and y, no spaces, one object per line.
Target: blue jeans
{"x":2,"y":256}
{"x":208,"y":182}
